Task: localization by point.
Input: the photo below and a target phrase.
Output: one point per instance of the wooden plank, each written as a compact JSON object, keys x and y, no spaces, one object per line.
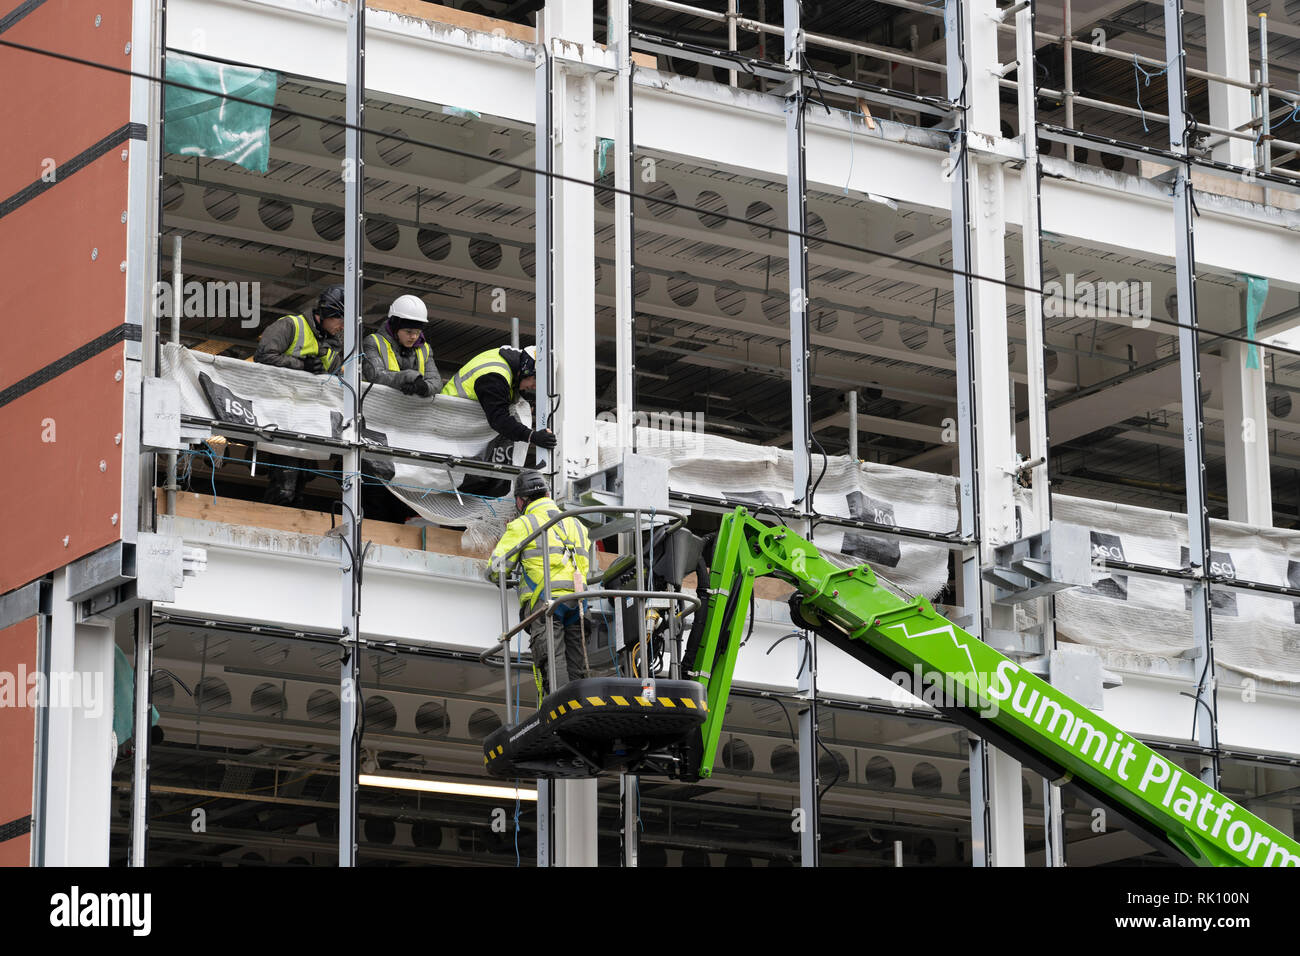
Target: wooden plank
{"x":456,"y":18}
{"x":255,"y":514}
{"x":437,"y":13}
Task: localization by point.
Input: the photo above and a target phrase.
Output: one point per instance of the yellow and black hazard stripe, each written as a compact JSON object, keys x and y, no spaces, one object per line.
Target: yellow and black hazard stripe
{"x":616,"y":702}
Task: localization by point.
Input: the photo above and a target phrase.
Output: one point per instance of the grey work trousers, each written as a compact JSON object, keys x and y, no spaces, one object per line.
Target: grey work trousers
{"x":569,"y":656}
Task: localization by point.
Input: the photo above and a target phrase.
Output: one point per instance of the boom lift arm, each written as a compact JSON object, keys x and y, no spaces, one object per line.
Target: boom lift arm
{"x":984,"y":691}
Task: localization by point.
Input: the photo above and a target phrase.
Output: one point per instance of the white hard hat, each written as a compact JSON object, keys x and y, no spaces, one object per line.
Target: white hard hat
{"x":410,"y":308}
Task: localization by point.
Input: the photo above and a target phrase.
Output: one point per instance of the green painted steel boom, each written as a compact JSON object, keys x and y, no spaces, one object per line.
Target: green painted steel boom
{"x":984,"y":690}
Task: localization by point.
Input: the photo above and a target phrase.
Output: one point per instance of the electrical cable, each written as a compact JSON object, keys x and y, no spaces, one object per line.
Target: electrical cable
{"x":825,"y":462}
{"x":835,"y":759}
{"x":750,"y":632}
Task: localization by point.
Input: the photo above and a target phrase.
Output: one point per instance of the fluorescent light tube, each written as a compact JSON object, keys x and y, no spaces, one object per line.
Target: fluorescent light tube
{"x":445,"y":786}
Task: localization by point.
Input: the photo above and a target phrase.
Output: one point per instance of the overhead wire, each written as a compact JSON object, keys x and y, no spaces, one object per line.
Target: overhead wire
{"x":398,"y":137}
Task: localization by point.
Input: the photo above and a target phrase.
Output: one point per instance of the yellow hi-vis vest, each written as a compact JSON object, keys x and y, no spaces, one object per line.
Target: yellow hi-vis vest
{"x":305,"y":344}
{"x":485,"y":363}
{"x":390,"y":357}
{"x":566,"y":545}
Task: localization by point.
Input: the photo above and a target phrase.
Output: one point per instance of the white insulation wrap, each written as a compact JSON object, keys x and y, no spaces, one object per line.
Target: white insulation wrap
{"x":1254,"y":635}
{"x":761,"y":475}
{"x":214,"y":386}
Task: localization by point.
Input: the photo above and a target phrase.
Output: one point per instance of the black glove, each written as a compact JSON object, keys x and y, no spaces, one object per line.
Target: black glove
{"x":422,"y":388}
{"x":406,"y":380}
{"x":312,"y":363}
{"x":545,"y":438}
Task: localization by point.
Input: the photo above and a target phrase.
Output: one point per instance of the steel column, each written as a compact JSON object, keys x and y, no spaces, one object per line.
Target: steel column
{"x":1227,"y":52}
{"x":78,"y":714}
{"x":1031,"y":238}
{"x":624,"y":227}
{"x":1189,"y":363}
{"x":572,"y":219}
{"x":985,"y":433}
{"x":142,"y":727}
{"x":350,"y":543}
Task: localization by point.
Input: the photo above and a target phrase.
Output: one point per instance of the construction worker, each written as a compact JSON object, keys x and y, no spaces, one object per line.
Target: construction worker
{"x":565,"y":546}
{"x":309,"y":345}
{"x":397,"y":355}
{"x":494,"y":379}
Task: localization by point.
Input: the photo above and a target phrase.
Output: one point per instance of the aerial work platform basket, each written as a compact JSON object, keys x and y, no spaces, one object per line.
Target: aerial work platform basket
{"x":612,"y":724}
{"x":599,"y":725}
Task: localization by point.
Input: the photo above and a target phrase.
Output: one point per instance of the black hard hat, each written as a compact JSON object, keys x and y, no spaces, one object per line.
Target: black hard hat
{"x":330,"y":302}
{"x":530,"y":484}
{"x":528,"y":362}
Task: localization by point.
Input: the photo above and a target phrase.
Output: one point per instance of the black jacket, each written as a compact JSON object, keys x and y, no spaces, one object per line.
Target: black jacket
{"x":496,"y":396}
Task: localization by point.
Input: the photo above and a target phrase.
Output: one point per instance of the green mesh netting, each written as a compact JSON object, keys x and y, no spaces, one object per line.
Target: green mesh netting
{"x":212,"y":124}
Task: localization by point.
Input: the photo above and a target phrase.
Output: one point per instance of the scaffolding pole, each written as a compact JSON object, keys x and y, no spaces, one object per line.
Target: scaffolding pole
{"x":796,"y":191}
{"x":544,"y":193}
{"x":350,"y":554}
{"x":1205,"y":719}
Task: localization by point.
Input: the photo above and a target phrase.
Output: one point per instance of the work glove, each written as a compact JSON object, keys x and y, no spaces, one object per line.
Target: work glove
{"x":312,"y":363}
{"x":406,"y":380}
{"x":422,"y":388}
{"x":545,"y":438}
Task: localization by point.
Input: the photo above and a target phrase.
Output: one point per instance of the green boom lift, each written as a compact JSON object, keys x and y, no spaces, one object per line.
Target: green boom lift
{"x":985,"y":691}
{"x":672,"y":727}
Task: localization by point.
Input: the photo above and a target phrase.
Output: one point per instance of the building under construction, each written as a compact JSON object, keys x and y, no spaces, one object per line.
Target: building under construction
{"x":994,"y":299}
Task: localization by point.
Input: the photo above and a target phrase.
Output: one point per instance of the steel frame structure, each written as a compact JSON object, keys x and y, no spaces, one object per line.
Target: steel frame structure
{"x":971,"y":166}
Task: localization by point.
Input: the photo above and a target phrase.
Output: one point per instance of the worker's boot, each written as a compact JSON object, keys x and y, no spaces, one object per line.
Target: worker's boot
{"x":284,"y":484}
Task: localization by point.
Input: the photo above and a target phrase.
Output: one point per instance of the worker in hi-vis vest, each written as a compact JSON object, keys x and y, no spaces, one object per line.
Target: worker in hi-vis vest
{"x":308,"y":345}
{"x":495,"y":379}
{"x":565,"y":545}
{"x":397,"y":354}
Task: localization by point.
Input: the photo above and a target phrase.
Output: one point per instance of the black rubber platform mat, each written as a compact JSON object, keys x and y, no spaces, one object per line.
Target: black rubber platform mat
{"x":599,"y":725}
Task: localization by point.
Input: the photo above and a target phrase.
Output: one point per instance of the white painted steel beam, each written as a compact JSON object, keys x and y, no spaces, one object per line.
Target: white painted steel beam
{"x":414,"y":60}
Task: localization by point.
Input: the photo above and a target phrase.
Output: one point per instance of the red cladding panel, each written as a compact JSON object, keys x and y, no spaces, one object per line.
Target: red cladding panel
{"x":17,"y":735}
{"x":62,"y":255}
{"x":54,"y":109}
{"x":52,"y":485}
